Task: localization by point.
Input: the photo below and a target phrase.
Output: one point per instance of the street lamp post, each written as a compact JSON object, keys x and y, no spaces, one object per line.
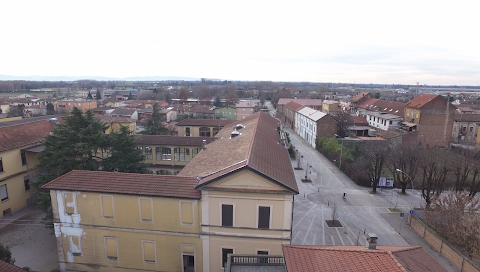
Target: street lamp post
{"x":341,"y":152}
{"x":411,"y":195}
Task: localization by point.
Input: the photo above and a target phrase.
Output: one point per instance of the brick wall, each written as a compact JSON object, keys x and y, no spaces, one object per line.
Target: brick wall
{"x":327,"y":126}
{"x":436,"y":123}
{"x":458,"y":259}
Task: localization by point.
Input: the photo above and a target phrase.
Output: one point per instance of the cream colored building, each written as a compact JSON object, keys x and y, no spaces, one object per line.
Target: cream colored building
{"x":235,"y":196}
{"x":201,"y":127}
{"x":19,"y":146}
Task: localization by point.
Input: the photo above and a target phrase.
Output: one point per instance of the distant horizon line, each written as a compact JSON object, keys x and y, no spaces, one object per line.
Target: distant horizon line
{"x":184,"y":78}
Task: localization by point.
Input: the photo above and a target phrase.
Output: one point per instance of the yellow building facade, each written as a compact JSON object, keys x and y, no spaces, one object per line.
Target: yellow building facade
{"x":114,"y":123}
{"x":229,"y":199}
{"x":111,"y":227}
{"x":19,"y":146}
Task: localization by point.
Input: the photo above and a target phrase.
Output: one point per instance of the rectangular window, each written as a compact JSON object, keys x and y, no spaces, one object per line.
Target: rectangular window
{"x":263,"y":217}
{"x":187,"y":212}
{"x":163,"y":153}
{"x":24,"y":157}
{"x":107,"y":206}
{"x":187,"y":131}
{"x":111,"y":248}
{"x":148,"y":153}
{"x":182,"y":154}
{"x":262,"y":259}
{"x":3,"y":192}
{"x":146,"y":211}
{"x":227,"y":215}
{"x":26,"y":182}
{"x":1,"y":165}
{"x":195,"y":151}
{"x":471,"y":129}
{"x":149,"y":254}
{"x":69,"y":203}
{"x":225,"y":253}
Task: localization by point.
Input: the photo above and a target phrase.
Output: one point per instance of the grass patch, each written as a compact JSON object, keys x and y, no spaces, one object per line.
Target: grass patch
{"x":394,"y":210}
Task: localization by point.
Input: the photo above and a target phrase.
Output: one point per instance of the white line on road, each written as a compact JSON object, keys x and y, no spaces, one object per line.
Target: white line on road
{"x":350,"y":241}
{"x":333,"y":241}
{"x":305,"y":215}
{"x":308,"y":231}
{"x":339,"y":236}
{"x":323,"y":226}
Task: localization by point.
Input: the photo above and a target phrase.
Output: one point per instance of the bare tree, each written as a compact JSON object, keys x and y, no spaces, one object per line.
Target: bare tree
{"x":183,"y":95}
{"x":205,"y":97}
{"x":374,"y":160}
{"x":435,"y":167}
{"x":231,"y":98}
{"x":405,"y":158}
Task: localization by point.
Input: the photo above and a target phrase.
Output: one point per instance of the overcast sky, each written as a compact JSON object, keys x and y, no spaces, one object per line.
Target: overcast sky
{"x":319,"y":41}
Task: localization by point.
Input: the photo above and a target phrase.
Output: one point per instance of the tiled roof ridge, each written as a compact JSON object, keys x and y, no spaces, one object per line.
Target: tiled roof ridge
{"x":27,"y":122}
{"x":363,"y":250}
{"x":405,"y":249}
{"x":394,"y":259}
{"x":253,"y":139}
{"x":220,"y":170}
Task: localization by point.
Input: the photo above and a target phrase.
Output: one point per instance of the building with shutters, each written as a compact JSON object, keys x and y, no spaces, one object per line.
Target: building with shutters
{"x":201,"y":127}
{"x":234,"y":197}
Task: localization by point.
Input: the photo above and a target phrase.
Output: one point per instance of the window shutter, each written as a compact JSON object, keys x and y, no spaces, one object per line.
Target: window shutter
{"x":263,"y":217}
{"x":227,"y":215}
{"x":3,"y":192}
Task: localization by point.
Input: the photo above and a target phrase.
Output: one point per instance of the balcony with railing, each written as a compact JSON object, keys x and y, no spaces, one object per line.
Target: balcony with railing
{"x":260,"y":263}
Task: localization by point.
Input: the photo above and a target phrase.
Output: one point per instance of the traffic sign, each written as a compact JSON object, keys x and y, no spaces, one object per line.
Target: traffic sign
{"x":411,"y":211}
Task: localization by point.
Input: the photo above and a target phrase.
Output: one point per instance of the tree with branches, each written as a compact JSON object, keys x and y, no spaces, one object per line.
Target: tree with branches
{"x":405,"y":158}
{"x":183,"y":96}
{"x":153,"y":123}
{"x":435,"y":166}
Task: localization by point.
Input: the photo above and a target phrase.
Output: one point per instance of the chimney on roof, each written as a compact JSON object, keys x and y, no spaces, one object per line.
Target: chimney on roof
{"x":371,"y":242}
{"x":204,"y":144}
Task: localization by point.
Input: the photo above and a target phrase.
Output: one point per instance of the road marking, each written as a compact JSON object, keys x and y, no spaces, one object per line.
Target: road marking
{"x":308,"y":231}
{"x":350,"y":240}
{"x":323,"y":226}
{"x":339,"y":236}
{"x":333,"y":241}
{"x":305,"y":216}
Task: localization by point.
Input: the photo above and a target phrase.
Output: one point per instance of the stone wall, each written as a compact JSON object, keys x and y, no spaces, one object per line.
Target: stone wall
{"x":462,"y":262}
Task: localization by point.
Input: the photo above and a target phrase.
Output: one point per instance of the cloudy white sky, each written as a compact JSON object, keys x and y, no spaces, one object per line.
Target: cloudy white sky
{"x":321,"y":41}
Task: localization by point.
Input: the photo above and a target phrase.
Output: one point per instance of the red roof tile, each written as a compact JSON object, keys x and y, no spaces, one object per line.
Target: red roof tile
{"x":305,"y":102}
{"x":19,"y":135}
{"x":294,"y":106}
{"x":420,"y":100}
{"x":256,"y":149}
{"x":373,"y":104}
{"x":358,"y":258}
{"x":126,"y":183}
{"x":6,"y":267}
{"x":359,"y":96}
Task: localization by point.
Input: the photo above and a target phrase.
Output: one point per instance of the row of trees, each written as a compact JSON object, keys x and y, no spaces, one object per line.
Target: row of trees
{"x":431,"y":170}
{"x":80,"y":144}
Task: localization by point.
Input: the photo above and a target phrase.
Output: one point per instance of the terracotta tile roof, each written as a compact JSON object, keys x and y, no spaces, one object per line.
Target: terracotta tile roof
{"x":6,"y":267}
{"x":373,"y":104}
{"x":256,"y":148}
{"x":294,"y":106}
{"x":114,"y":119}
{"x":205,"y":122}
{"x":245,"y":104}
{"x":359,"y":96}
{"x":421,"y":100}
{"x":305,"y":102}
{"x":20,"y":135}
{"x":171,"y":140}
{"x":467,"y":117}
{"x":357,"y":120}
{"x":358,"y":258}
{"x":126,"y":183}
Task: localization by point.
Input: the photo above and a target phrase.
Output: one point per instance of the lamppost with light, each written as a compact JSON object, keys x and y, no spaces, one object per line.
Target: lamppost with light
{"x":411,"y":196}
